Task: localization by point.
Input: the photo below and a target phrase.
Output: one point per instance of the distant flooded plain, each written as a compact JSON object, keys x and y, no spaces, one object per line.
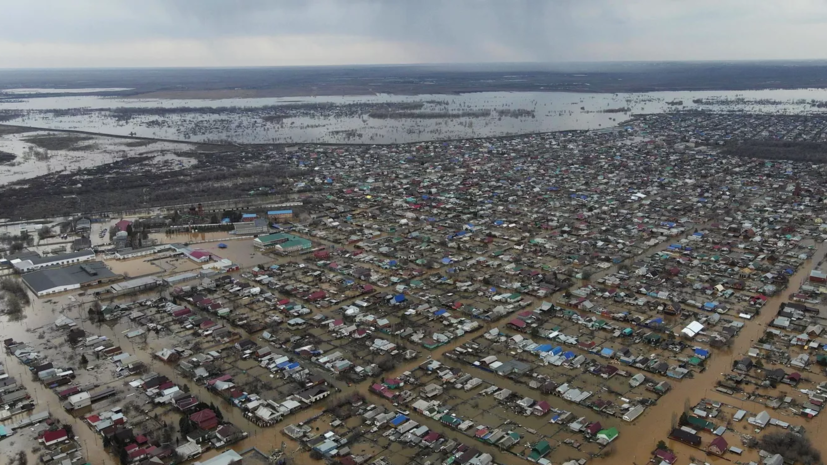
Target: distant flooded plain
{"x":382,"y":118}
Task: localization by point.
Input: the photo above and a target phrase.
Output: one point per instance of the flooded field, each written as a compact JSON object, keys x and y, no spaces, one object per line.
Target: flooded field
{"x":382,"y":118}
{"x":38,"y":153}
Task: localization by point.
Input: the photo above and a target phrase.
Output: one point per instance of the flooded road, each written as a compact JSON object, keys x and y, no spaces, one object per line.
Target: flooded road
{"x":636,"y":442}
{"x":633,"y":446}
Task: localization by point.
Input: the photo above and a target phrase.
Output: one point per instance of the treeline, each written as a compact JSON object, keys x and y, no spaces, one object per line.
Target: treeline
{"x":429,"y":114}
{"x":812,"y":152}
{"x":793,"y":447}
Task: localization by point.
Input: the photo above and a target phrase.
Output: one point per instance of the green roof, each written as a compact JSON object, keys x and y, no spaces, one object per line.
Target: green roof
{"x":609,"y":433}
{"x":541,"y":448}
{"x":303,"y":243}
{"x":697,"y":421}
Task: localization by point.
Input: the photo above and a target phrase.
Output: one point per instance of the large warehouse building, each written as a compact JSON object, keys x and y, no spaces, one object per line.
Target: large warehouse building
{"x":54,"y":280}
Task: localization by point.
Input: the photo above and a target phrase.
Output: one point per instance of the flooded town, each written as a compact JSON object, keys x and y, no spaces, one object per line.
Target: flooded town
{"x":650,"y":292}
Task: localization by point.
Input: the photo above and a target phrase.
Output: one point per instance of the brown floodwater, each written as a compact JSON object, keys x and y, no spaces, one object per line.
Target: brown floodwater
{"x":637,"y":441}
{"x":634,"y":444}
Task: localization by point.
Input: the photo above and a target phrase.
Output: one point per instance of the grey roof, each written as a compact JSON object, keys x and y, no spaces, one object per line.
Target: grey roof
{"x":61,"y":257}
{"x":22,"y":255}
{"x":80,"y":273}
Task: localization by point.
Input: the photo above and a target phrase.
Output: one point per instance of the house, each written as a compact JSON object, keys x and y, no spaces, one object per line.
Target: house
{"x":665,"y":456}
{"x":431,"y":390}
{"x":761,"y":420}
{"x":633,"y":413}
{"x":205,"y":419}
{"x":792,"y":379}
{"x":744,"y":365}
{"x":593,"y":429}
{"x":718,"y":446}
{"x":607,"y":435}
{"x":228,"y":433}
{"x":540,"y":450}
{"x":54,"y":437}
{"x":314,"y":394}
{"x":541,"y":408}
{"x":225,"y":458}
{"x":685,"y":437}
{"x":776,"y":459}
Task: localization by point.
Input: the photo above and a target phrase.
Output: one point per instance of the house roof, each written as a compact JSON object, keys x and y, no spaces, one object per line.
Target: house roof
{"x":53,"y":436}
{"x":202,"y":416}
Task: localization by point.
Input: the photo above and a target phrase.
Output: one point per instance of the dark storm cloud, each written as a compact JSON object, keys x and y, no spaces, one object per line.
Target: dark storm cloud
{"x":260,"y":32}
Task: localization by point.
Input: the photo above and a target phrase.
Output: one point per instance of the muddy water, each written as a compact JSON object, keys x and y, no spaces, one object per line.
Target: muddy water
{"x":265,"y":439}
{"x":46,"y":400}
{"x":633,"y":446}
{"x":636,"y":442}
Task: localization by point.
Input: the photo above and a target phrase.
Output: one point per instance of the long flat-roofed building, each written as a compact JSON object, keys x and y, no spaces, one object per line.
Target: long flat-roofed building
{"x":54,"y":280}
{"x":36,"y":263}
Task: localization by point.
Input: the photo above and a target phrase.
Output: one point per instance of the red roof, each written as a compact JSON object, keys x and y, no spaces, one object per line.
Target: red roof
{"x":137,"y":453}
{"x":594,"y":428}
{"x":431,"y":436}
{"x":220,"y":378}
{"x":122,"y":225}
{"x":51,"y":437}
{"x":140,"y":439}
{"x":517,"y":322}
{"x":719,"y":443}
{"x":182,"y":312}
{"x":92,"y":419}
{"x":202,"y":416}
{"x":130,"y":447}
{"x":666,"y":456}
{"x":200,"y":254}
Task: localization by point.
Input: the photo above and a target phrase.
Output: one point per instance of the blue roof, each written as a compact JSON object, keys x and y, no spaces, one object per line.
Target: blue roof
{"x":607,"y":352}
{"x":293,"y":365}
{"x":280,"y":212}
{"x":569,"y":355}
{"x":543,"y":348}
{"x":399,"y":420}
{"x":249,"y":215}
{"x":446,"y":260}
{"x":701,"y":352}
{"x":557,"y":350}
{"x":399,"y":298}
{"x":283,"y":364}
{"x":441,"y":311}
{"x":656,"y":320}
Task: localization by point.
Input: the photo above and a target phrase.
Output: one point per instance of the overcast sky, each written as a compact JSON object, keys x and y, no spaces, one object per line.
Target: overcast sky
{"x":116,"y":33}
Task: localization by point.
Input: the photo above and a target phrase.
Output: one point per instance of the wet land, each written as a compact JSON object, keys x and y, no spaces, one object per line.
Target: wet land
{"x":420,"y":79}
